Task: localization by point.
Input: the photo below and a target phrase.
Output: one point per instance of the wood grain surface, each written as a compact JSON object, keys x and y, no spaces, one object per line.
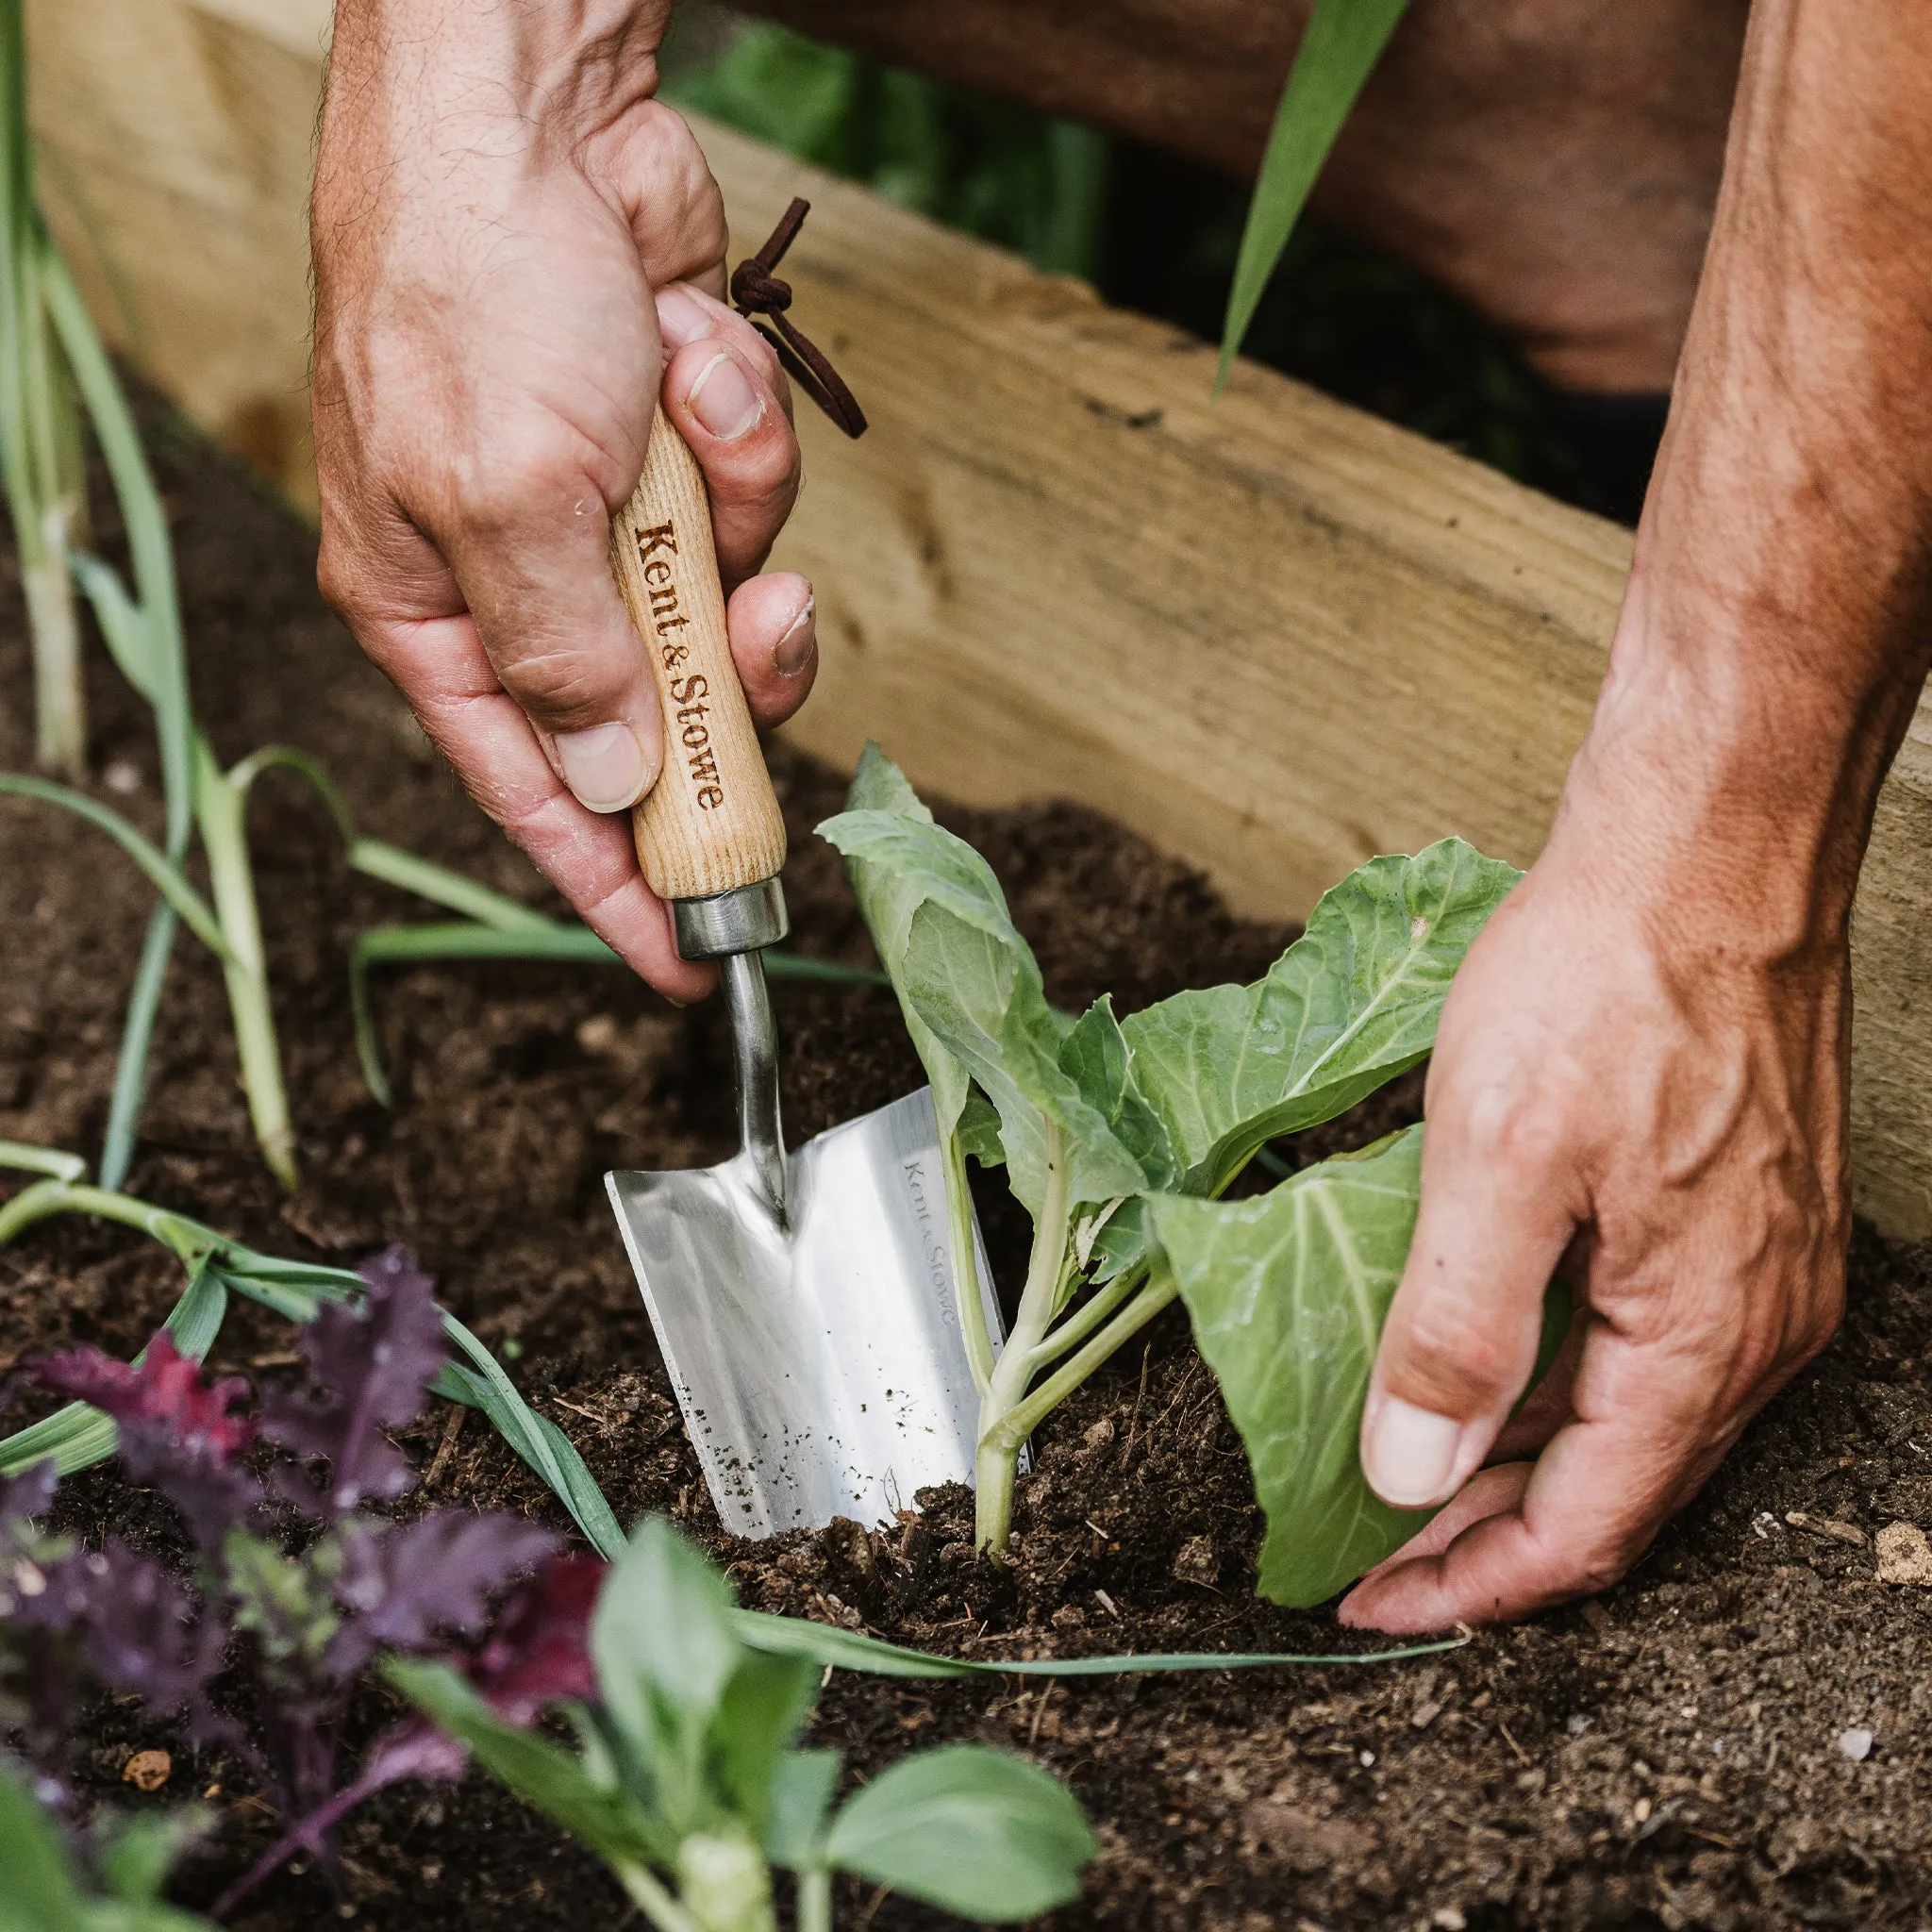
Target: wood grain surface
{"x":712,"y":821}
{"x":1273,"y":635}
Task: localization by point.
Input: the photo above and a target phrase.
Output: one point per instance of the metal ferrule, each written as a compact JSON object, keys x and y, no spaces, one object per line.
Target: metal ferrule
{"x":744,"y":920}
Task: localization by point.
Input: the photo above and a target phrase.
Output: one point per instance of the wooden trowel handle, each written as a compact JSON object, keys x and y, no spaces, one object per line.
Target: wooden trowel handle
{"x":711,"y":823}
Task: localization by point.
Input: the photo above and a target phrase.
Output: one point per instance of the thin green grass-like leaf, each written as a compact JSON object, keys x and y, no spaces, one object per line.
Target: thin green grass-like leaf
{"x":24,"y":1157}
{"x":147,"y":537}
{"x":541,"y":1443}
{"x":123,"y":622}
{"x":166,"y":875}
{"x":1340,"y":47}
{"x":851,"y":1650}
{"x":378,"y":859}
{"x":124,"y":626}
{"x":548,"y":940}
{"x":137,"y":1040}
{"x":285,"y":758}
{"x":294,"y":1290}
{"x":78,"y":1436}
{"x":221,"y":813}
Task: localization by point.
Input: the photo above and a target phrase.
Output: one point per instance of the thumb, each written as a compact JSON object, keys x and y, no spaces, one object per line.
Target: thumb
{"x":1498,"y":1208}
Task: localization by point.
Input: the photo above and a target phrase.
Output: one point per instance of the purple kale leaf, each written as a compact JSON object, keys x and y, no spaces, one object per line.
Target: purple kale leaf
{"x":371,"y":1371}
{"x":539,"y":1653}
{"x":176,"y":1432}
{"x":71,"y":1619}
{"x":402,"y":1583}
{"x":141,"y":1633}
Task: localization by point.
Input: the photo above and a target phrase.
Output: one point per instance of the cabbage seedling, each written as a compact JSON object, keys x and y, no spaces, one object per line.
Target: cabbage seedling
{"x":1103,"y":1122}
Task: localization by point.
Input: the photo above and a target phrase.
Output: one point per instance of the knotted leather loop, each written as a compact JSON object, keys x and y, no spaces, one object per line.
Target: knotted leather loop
{"x":756,"y":291}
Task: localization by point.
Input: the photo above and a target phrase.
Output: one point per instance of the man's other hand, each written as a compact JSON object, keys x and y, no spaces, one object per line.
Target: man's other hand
{"x":1638,"y":1069}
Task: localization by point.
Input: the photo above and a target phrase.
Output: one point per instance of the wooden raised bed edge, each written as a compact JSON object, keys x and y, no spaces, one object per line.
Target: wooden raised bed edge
{"x":1274,"y":636}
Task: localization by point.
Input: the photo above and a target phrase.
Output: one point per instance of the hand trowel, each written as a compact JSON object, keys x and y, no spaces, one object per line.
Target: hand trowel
{"x":805,"y":1303}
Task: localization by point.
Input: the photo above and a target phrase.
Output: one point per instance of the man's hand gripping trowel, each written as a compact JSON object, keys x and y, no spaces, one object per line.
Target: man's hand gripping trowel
{"x":806,"y":1304}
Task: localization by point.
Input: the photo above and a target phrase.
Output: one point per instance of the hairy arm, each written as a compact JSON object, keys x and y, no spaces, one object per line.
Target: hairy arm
{"x":1553,"y":162}
{"x":1643,"y":1065}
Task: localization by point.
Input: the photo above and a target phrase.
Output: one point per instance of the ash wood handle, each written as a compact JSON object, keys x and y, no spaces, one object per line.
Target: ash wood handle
{"x":712,"y":821}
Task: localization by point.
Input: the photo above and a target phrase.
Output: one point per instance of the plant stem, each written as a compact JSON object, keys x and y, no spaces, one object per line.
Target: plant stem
{"x":1026,"y":1416}
{"x":959,"y":1225}
{"x":1089,"y":1315}
{"x":815,"y":1899}
{"x":185,"y":1237}
{"x":221,"y":811}
{"x":651,"y":1898}
{"x":148,"y":540}
{"x":60,"y":694}
{"x":137,"y":1034}
{"x":26,"y":1156}
{"x":152,"y":655}
{"x":999,"y":1448}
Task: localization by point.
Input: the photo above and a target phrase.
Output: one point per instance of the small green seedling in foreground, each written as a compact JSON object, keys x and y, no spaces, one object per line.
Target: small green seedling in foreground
{"x":687,"y":1780}
{"x":45,"y":1890}
{"x":1119,"y":1136}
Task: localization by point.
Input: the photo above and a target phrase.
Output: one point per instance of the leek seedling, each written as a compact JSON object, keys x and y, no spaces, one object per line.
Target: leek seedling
{"x":145,"y":639}
{"x":78,"y":1436}
{"x":40,"y":430}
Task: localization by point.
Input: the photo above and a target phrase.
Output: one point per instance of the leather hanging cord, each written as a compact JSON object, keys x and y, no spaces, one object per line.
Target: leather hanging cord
{"x":756,"y":292}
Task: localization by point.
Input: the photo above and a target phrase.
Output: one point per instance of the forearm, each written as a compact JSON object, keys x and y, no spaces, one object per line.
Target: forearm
{"x":1553,"y":162}
{"x":1200,"y":77}
{"x":1779,"y":621}
{"x":475,"y":63}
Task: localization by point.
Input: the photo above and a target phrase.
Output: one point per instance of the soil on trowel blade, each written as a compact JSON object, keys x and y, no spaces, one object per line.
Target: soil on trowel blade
{"x":1674,"y":1754}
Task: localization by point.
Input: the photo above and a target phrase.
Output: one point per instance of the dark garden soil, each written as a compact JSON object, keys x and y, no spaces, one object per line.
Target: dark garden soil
{"x":1666,"y":1755}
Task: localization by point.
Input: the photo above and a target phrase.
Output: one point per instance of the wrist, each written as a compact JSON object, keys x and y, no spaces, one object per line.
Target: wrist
{"x":1720,"y":771}
{"x":452,"y":74}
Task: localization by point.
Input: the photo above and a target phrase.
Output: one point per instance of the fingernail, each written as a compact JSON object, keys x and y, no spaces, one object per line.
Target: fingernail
{"x":723,"y":399}
{"x":681,"y":318}
{"x":1409,"y":1454}
{"x":604,"y":766}
{"x":793,"y":650}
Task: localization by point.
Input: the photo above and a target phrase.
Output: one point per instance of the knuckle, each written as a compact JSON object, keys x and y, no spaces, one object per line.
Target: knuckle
{"x":1448,"y":1345}
{"x":523,"y":472}
{"x":336,"y":578}
{"x":763,"y":484}
{"x":564,"y":687}
{"x":1508,"y":1130}
{"x":1596,"y":1572}
{"x":349,"y":578}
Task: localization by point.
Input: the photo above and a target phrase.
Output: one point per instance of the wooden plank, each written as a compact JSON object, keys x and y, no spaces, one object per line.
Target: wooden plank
{"x":175,"y":153}
{"x":1274,"y":635}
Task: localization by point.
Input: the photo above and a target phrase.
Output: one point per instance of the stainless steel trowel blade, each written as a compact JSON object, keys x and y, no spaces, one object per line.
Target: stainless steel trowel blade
{"x":820,"y":1365}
